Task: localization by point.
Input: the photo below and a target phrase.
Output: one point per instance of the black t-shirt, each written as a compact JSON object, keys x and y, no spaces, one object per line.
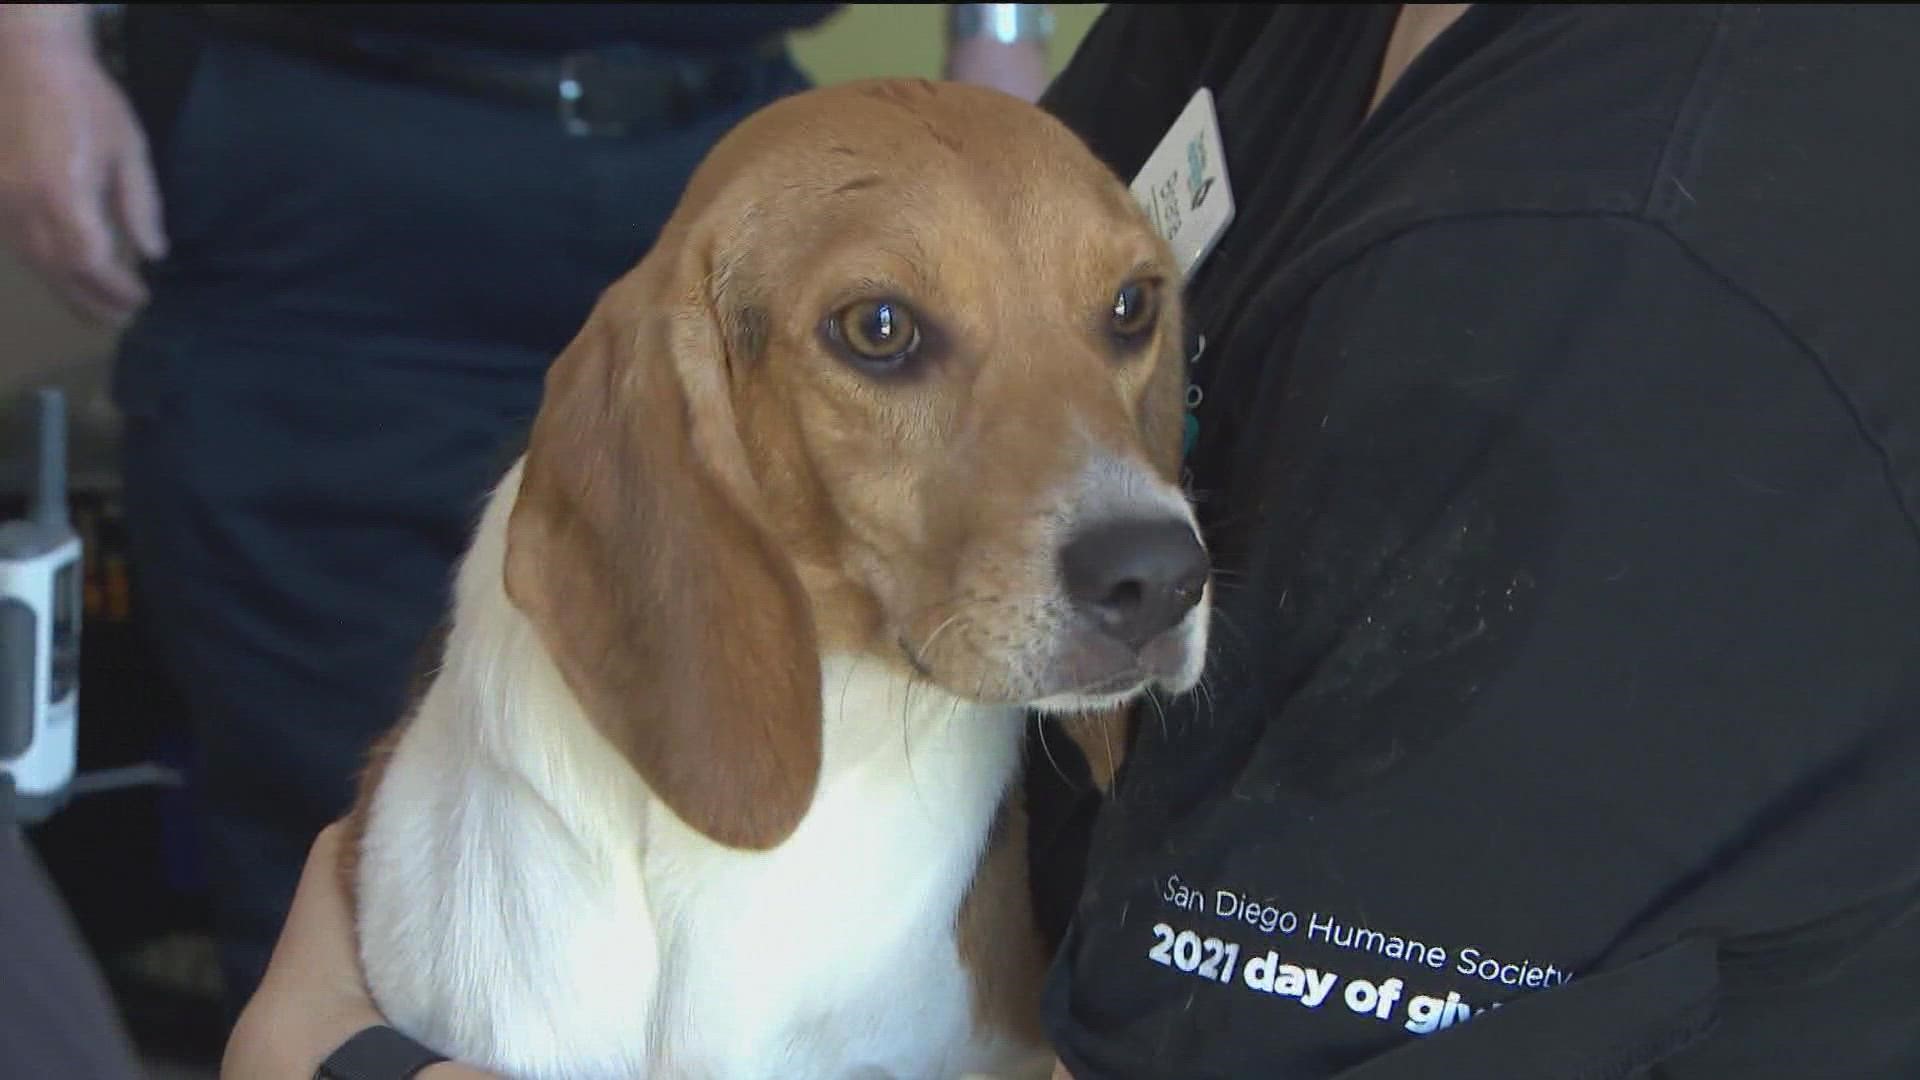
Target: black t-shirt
{"x":564,"y":27}
{"x":1560,"y":446}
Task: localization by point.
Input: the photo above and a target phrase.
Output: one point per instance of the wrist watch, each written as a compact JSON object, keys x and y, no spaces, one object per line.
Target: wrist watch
{"x":377,"y":1053}
{"x":1005,"y":23}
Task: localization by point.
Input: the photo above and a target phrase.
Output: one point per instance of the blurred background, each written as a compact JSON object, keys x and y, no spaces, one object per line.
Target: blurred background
{"x":44,"y":344}
{"x":125,"y":861}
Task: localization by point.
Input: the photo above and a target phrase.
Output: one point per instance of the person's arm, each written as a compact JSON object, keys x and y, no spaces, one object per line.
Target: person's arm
{"x":1578,"y":610}
{"x":1000,"y":45}
{"x":78,"y":198}
{"x":312,"y":997}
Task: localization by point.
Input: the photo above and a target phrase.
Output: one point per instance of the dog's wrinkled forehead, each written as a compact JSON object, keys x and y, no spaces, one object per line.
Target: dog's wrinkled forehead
{"x":902,"y":153}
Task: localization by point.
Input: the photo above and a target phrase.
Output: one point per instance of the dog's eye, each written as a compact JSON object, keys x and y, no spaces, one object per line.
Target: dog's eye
{"x":1135,"y":307}
{"x":876,"y":332}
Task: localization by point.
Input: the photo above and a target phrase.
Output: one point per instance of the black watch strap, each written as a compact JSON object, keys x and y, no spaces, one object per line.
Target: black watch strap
{"x":377,"y":1053}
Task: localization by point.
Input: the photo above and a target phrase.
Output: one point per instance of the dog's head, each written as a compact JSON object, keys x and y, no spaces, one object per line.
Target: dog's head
{"x":902,"y":378}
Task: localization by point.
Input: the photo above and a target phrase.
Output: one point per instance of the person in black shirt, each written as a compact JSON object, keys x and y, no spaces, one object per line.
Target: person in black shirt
{"x":1559,"y":439}
{"x":1559,"y":444}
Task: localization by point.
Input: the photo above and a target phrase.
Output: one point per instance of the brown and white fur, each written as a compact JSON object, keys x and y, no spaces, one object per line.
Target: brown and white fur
{"x":718,"y":773}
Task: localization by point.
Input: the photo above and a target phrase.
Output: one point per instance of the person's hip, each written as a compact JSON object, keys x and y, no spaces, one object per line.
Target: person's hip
{"x":302,"y":192}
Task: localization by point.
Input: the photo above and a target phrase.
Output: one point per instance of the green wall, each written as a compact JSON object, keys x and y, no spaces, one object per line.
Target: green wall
{"x":865,"y":40}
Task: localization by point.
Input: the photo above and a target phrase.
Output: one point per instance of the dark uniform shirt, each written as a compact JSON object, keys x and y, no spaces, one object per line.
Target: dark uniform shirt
{"x":1560,"y":443}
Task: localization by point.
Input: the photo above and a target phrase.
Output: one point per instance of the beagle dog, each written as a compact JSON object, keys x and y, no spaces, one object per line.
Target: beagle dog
{"x":873,"y":455}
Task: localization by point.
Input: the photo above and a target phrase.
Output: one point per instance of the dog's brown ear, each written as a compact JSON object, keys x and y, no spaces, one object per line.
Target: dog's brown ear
{"x":673,"y":614}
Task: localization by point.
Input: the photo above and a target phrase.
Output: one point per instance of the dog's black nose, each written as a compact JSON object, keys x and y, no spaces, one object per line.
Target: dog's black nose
{"x":1135,"y":579}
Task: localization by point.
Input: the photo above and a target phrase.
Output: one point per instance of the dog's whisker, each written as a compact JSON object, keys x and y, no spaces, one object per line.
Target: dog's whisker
{"x":1047,"y":748}
{"x":1113,"y":763}
{"x":953,"y":707}
{"x":1204,"y":691}
{"x":1225,"y":622}
{"x":925,"y":649}
{"x":846,"y":684}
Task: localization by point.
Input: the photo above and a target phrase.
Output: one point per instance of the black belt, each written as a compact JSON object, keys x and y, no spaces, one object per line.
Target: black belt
{"x":625,"y":90}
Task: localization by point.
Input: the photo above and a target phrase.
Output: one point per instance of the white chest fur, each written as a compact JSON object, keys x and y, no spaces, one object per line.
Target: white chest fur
{"x":526,"y":906}
{"x":839,"y":945}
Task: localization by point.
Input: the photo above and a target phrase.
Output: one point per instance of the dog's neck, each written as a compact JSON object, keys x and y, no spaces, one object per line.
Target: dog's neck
{"x":506,"y":689}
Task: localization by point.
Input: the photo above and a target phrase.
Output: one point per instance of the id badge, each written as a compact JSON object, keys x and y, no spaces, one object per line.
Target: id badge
{"x":1184,"y":186}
